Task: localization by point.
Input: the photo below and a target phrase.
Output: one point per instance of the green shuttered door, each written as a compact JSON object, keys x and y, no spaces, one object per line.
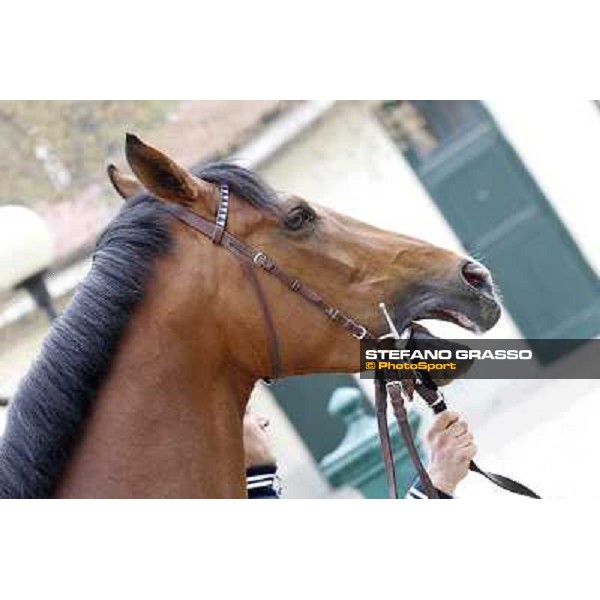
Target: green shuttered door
{"x":499,"y":212}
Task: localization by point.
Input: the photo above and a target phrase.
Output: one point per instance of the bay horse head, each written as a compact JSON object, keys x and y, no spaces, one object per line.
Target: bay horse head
{"x":142,"y":383}
{"x":352,"y":265}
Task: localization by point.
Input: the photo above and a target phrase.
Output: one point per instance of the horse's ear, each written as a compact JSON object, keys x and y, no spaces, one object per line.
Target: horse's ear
{"x":126,"y":185}
{"x":161,"y":176}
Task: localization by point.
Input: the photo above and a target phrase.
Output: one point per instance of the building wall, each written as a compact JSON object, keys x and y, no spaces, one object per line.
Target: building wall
{"x":559,"y":142}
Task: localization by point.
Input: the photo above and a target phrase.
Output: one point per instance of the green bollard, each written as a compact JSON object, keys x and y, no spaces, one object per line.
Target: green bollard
{"x":357,"y":461}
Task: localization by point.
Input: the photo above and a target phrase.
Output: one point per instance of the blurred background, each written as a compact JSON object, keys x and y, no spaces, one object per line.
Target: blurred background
{"x":515,"y":183}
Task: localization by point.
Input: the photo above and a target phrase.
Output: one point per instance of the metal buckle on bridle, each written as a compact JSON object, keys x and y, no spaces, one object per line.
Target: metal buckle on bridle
{"x":262,"y":260}
{"x":400,"y":385}
{"x":362,"y":334}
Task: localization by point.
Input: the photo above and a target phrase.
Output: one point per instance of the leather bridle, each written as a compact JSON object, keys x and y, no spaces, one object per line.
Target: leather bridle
{"x":250,"y":259}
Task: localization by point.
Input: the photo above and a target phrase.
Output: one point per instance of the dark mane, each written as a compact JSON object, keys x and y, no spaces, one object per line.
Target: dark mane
{"x":48,"y":411}
{"x":242,"y":182}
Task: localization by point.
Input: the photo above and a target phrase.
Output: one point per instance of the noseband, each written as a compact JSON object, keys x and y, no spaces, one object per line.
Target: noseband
{"x":251,"y":259}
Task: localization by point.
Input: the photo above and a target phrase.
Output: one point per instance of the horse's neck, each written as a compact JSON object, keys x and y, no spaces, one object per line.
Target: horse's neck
{"x":166,"y":423}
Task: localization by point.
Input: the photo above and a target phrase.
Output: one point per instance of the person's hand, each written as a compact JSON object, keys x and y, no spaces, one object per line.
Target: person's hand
{"x":257,"y":445}
{"x":452,"y":449}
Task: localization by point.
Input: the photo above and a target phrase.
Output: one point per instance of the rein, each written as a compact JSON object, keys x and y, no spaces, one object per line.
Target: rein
{"x":249,"y":259}
{"x":427,"y":389}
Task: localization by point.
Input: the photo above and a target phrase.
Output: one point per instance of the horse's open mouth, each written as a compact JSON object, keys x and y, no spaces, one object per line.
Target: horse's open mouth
{"x":451,"y":316}
{"x":480,"y":319}
{"x":476,"y":315}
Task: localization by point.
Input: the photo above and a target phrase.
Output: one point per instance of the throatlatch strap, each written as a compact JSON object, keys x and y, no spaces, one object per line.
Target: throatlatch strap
{"x":270,"y":331}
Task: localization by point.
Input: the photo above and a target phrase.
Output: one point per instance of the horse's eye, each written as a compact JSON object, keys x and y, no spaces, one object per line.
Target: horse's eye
{"x":298,"y":218}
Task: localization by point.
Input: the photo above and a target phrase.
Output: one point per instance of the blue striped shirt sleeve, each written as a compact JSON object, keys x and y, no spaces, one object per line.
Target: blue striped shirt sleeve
{"x":416,"y":492}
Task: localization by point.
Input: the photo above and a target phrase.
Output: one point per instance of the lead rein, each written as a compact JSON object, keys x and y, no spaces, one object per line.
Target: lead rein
{"x":425,"y":387}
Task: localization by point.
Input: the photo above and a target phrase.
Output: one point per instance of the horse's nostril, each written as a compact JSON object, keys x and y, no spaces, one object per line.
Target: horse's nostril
{"x":478,"y":277}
